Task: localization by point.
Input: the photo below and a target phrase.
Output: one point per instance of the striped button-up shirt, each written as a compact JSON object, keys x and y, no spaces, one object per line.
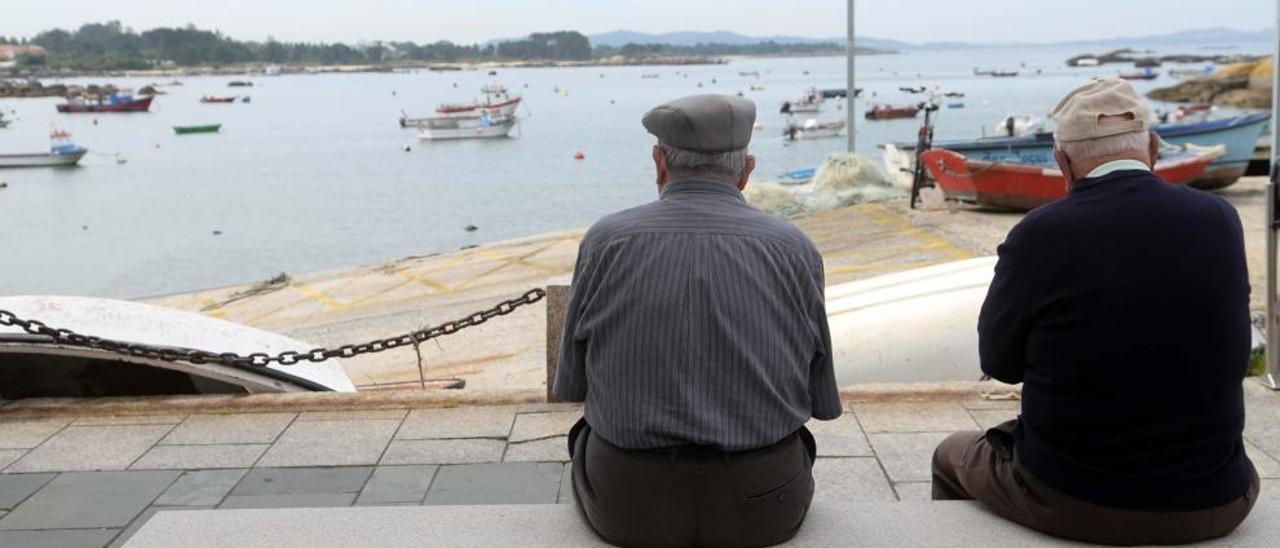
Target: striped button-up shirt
{"x":697,"y":320}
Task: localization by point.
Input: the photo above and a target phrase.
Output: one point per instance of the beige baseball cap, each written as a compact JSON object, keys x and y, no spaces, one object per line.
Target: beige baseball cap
{"x":1080,"y":115}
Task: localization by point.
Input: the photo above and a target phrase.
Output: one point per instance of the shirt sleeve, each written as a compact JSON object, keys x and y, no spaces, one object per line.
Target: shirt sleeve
{"x":1003,"y":324}
{"x":823,"y":390}
{"x":571,"y":371}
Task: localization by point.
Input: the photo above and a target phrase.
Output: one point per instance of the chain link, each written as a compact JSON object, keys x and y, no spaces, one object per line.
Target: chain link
{"x":259,"y":359}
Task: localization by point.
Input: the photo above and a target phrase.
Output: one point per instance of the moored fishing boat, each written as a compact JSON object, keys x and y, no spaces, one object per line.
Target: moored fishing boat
{"x":1144,"y":74}
{"x":810,"y":102}
{"x":204,"y":128}
{"x":485,"y":126}
{"x":1016,"y":186}
{"x":1239,"y":134}
{"x":111,"y":103}
{"x":888,"y":112}
{"x":62,"y":152}
{"x":813,"y":129}
{"x":213,"y":99}
{"x":495,"y":97}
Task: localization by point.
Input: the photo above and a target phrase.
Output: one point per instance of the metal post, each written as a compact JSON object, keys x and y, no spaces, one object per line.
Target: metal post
{"x":850,"y":90}
{"x":1273,"y":331}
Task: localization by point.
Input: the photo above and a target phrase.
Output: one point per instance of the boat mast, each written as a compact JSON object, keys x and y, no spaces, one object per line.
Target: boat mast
{"x":850,"y":91}
{"x":1273,"y":223}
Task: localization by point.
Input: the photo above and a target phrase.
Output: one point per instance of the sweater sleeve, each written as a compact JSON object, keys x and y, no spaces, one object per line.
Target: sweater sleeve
{"x":1003,"y":325}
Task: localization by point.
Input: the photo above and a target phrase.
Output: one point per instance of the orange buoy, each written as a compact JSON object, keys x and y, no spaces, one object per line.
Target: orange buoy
{"x":579,"y":155}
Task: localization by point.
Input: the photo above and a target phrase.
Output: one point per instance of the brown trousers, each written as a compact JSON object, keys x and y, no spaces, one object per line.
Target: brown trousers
{"x":692,"y":496}
{"x":982,"y":466}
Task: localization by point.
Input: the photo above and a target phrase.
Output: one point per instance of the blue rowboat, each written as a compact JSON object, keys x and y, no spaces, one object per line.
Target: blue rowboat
{"x":799,"y":176}
{"x":1239,"y":134}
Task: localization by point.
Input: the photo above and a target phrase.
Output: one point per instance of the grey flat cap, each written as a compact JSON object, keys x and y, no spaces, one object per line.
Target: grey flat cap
{"x":703,"y":123}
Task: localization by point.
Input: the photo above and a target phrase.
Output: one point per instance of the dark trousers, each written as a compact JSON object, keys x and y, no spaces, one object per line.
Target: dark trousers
{"x":692,"y":496}
{"x":983,"y":466}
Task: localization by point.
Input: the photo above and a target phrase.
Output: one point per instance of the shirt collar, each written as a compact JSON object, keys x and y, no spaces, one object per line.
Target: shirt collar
{"x":1116,"y":165}
{"x":698,"y":185}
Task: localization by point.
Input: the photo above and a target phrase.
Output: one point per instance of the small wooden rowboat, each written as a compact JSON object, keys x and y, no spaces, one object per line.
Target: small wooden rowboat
{"x":206,"y":128}
{"x":1015,"y":186}
{"x":886,"y":112}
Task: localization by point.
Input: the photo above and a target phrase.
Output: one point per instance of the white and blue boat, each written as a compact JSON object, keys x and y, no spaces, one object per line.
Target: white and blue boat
{"x":1239,"y":134}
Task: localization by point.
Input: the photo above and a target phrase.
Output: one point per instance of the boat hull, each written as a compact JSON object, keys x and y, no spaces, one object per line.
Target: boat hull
{"x":187,"y":130}
{"x":1239,"y":134}
{"x":137,"y":105}
{"x":435,"y":131}
{"x":42,"y":159}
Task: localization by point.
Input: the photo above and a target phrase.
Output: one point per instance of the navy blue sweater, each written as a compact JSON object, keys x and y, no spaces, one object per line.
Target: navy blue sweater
{"x":1124,"y":308}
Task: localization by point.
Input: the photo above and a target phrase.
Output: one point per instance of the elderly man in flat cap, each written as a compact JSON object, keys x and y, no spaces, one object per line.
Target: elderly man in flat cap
{"x":1123,"y":309}
{"x":697,"y":336}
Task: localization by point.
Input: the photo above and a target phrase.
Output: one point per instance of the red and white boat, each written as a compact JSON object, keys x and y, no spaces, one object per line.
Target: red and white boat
{"x":887,"y":112}
{"x":1025,"y":186}
{"x":112,"y":103}
{"x":495,"y":97}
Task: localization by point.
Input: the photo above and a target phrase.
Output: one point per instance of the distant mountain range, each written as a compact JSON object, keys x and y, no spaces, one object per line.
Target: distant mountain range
{"x":1207,"y":36}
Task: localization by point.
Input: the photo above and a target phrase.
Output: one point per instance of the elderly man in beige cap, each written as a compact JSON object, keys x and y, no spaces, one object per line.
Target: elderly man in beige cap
{"x":697,"y":336}
{"x":1123,"y":309}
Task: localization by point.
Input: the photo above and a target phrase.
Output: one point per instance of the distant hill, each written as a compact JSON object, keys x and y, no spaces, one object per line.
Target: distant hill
{"x":689,"y":38}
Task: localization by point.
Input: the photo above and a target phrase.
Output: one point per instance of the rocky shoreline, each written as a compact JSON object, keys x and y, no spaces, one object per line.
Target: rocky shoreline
{"x":1243,"y":85}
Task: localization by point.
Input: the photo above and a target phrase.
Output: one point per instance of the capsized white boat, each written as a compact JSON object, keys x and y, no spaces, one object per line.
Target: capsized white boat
{"x":33,"y":366}
{"x":913,"y":326}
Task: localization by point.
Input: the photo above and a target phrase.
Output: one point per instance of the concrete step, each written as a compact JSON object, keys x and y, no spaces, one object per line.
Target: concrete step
{"x":915,"y":524}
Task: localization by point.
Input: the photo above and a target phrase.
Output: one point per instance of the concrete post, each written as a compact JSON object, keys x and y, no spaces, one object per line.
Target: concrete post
{"x":1273,"y":331}
{"x":557,"y":301}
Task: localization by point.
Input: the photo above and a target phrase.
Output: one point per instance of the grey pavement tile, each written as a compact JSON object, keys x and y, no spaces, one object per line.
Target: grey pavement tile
{"x":84,"y":500}
{"x":303,"y":481}
{"x":907,"y":457}
{"x":91,"y":448}
{"x":857,"y":479}
{"x":453,"y":451}
{"x":566,"y":485}
{"x":504,"y":483}
{"x":987,"y":418}
{"x":15,"y":488}
{"x":237,"y":428}
{"x":109,"y":420}
{"x":980,"y":404}
{"x":1270,"y":490}
{"x":288,"y":501}
{"x":57,"y":539}
{"x":200,"y":488}
{"x":331,"y":443}
{"x":143,"y":518}
{"x":458,"y":422}
{"x":544,"y":450}
{"x":945,"y":416}
{"x":395,"y":414}
{"x":1266,"y":465}
{"x":841,"y":437}
{"x":25,"y":434}
{"x":536,"y":426}
{"x":195,"y":457}
{"x":397,"y":484}
{"x":912,"y":491}
{"x":9,"y":456}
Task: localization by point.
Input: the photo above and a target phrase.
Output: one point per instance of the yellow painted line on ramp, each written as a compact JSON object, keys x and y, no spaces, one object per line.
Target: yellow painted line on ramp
{"x":905,"y":227}
{"x":319,"y":296}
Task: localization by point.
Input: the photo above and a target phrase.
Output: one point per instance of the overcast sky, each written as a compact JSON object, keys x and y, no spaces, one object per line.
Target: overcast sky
{"x":468,"y":21}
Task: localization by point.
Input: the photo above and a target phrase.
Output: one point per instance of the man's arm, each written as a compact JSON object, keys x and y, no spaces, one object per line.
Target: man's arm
{"x":1003,"y":325}
{"x":571,"y":372}
{"x":823,"y":390}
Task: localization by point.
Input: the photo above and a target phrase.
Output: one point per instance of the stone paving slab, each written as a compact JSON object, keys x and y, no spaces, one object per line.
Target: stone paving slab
{"x":193,"y":457}
{"x":111,"y":420}
{"x":841,"y":437}
{"x":89,"y":500}
{"x":303,"y":481}
{"x":125,"y":534}
{"x":288,"y":501}
{"x":536,"y":426}
{"x":450,"y":451}
{"x":91,"y":448}
{"x":1265,"y":464}
{"x":914,"y":491}
{"x":944,"y":416}
{"x":566,"y":485}
{"x":331,"y":443}
{"x":514,"y":483}
{"x":544,"y":450}
{"x":15,"y":488}
{"x":458,"y":422}
{"x":398,"y":484}
{"x":907,"y":457}
{"x":857,"y":479}
{"x":391,"y":414}
{"x":57,"y":539}
{"x":9,"y":456}
{"x":230,"y":428}
{"x":26,"y":434}
{"x":988,"y":418}
{"x":201,"y":488}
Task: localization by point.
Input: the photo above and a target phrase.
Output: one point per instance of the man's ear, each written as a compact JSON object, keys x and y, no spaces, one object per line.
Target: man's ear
{"x":1064,"y":165}
{"x":660,"y":165}
{"x":1154,"y":149}
{"x":746,"y":172}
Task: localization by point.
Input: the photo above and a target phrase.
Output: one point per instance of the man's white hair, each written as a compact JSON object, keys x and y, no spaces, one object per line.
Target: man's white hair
{"x":1084,"y":151}
{"x":687,"y":163}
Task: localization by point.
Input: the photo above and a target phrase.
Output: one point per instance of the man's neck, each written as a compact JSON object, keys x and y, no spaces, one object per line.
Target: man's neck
{"x":1117,"y":165}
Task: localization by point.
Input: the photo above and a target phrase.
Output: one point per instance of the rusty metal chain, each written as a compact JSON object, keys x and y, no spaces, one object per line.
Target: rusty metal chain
{"x":260,"y":359}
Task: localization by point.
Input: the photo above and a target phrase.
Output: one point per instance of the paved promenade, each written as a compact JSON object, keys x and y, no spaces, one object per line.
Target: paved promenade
{"x":90,"y":481}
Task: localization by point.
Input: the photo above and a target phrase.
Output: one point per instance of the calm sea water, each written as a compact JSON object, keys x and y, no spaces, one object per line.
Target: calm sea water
{"x":313,"y":174}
